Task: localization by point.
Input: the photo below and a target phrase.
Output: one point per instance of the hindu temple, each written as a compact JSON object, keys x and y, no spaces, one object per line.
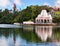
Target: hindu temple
{"x":43,"y":18}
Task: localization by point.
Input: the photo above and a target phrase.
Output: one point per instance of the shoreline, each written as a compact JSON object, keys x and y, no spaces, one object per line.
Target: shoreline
{"x":46,"y":24}
{"x":34,"y":24}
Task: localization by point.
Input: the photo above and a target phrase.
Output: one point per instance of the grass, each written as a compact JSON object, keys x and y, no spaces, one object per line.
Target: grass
{"x":57,"y":12}
{"x":29,"y":21}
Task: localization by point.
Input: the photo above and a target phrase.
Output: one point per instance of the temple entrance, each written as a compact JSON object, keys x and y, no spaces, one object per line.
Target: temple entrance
{"x":41,"y":21}
{"x":48,"y":21}
{"x":45,"y":21}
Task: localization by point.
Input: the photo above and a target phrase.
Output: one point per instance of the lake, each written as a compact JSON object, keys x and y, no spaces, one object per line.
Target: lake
{"x":14,"y":35}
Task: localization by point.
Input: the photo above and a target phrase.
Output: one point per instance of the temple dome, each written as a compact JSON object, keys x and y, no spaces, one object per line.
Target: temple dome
{"x":44,"y":14}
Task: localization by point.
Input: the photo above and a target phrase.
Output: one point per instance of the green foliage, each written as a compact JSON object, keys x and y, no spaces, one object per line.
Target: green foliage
{"x":56,"y":19}
{"x":30,"y":13}
{"x":57,"y":12}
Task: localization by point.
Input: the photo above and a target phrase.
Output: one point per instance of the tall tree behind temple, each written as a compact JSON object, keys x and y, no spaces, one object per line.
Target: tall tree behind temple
{"x":14,"y":7}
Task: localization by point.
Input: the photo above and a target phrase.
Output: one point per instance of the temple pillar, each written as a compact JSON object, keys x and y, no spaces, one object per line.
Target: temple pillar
{"x":46,"y":21}
{"x":43,"y":20}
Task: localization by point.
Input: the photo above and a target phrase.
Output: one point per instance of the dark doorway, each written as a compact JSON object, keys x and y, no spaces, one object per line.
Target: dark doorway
{"x":44,"y":21}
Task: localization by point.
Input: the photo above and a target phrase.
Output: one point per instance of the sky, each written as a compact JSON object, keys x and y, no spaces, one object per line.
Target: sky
{"x":22,"y":4}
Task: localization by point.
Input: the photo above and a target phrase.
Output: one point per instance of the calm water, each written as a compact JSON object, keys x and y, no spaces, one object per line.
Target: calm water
{"x":13,"y":35}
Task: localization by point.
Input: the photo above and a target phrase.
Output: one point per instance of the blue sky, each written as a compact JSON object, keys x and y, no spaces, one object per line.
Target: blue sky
{"x":37,"y":2}
{"x":24,"y":3}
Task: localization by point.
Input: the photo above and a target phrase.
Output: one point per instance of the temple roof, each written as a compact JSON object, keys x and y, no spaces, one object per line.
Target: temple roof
{"x":43,"y":15}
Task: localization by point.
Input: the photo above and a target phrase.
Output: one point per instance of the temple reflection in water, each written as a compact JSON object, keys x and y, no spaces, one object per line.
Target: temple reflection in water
{"x":44,"y":32}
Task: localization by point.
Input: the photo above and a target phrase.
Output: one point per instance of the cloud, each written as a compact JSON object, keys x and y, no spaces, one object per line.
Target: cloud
{"x":4,"y":3}
{"x":18,"y":2}
{"x":46,"y":4}
{"x":57,"y":3}
{"x":8,"y":3}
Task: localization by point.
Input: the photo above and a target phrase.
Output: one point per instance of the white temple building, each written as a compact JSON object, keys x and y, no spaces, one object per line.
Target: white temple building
{"x":43,"y":18}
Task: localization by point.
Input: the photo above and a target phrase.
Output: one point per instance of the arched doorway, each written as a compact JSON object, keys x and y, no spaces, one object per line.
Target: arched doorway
{"x":48,"y":21}
{"x":45,"y":21}
{"x":41,"y":21}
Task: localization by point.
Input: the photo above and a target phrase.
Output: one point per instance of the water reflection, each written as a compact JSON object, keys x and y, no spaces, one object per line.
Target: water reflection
{"x":44,"y":32}
{"x":30,"y":37}
{"x":10,"y":26}
{"x":3,"y":41}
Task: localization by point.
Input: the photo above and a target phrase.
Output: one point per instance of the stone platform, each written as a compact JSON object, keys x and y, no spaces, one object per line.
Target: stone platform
{"x":45,"y":24}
